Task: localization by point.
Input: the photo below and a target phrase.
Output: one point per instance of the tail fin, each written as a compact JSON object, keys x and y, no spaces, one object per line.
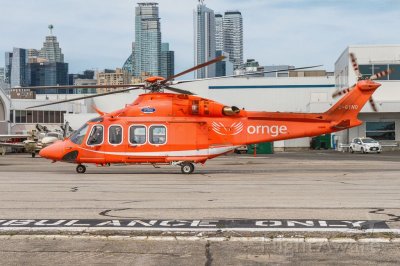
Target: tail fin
{"x":344,"y":113}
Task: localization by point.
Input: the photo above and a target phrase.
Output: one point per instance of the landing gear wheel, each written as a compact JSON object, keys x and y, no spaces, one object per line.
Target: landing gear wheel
{"x":33,"y":154}
{"x":80,"y":169}
{"x":187,"y":168}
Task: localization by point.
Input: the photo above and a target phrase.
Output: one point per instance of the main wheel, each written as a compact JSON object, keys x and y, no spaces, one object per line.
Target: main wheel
{"x":80,"y":169}
{"x":187,"y":168}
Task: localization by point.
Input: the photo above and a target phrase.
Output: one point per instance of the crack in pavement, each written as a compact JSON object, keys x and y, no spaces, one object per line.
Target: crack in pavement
{"x":208,"y":254}
{"x":106,"y":213}
{"x":394,"y":218}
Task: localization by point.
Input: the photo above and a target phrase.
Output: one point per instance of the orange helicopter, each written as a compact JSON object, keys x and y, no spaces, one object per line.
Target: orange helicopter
{"x":183,"y":129}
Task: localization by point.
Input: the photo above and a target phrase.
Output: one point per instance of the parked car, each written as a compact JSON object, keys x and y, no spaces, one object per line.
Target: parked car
{"x":365,"y":145}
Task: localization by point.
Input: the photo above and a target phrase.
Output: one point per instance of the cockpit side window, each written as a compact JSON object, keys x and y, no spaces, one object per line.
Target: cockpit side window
{"x":96,"y":136}
{"x":78,"y":136}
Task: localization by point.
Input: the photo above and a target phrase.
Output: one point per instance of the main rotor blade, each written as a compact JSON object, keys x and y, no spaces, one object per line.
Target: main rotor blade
{"x":355,"y":65}
{"x":178,"y":90}
{"x":249,"y":74}
{"x":373,"y":105}
{"x":78,"y":86}
{"x":215,"y":60}
{"x":381,"y":74}
{"x":86,"y":97}
{"x":341,"y":92}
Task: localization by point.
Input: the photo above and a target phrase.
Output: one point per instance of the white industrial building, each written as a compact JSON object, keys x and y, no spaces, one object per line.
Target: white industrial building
{"x":385,"y":123}
{"x":287,"y":94}
{"x":15,"y":118}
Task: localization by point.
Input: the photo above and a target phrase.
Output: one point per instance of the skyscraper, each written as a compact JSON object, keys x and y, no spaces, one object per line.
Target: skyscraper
{"x":19,"y":69}
{"x":46,"y":67}
{"x":224,"y":67}
{"x":233,"y":37}
{"x":219,"y":32}
{"x":204,"y":39}
{"x":129,"y":64}
{"x":147,"y":39}
{"x":167,"y":61}
{"x":48,"y":74}
{"x":2,"y":74}
{"x":7,"y":69}
{"x":51,"y":48}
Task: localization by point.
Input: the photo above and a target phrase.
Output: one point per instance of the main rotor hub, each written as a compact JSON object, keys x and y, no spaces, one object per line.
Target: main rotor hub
{"x":154,"y":79}
{"x":154,"y":83}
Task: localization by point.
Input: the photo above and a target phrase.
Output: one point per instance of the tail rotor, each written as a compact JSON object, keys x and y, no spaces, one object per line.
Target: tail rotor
{"x":356,"y":69}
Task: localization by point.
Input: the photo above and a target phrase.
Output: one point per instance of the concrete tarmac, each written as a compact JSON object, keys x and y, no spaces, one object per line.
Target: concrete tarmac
{"x":303,"y":185}
{"x":292,"y":185}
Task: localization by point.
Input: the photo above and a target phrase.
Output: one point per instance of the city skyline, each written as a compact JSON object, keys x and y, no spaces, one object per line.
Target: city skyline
{"x":98,"y":34}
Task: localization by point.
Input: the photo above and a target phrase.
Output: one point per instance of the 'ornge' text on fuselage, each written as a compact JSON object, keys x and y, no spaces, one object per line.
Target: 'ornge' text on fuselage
{"x":273,"y":130}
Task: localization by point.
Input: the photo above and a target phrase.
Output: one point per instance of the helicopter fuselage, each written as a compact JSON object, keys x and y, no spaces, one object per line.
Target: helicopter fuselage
{"x":175,"y":128}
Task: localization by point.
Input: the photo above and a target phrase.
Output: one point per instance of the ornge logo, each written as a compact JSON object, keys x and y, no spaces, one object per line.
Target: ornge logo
{"x":234,"y":129}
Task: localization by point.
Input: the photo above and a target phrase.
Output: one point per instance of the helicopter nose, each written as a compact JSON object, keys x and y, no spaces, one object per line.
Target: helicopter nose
{"x":53,"y":151}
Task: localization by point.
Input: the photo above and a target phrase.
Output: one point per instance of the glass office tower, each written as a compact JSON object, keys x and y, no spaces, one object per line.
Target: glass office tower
{"x":147,"y":50}
{"x":233,"y":37}
{"x":204,"y":40}
{"x":19,"y":68}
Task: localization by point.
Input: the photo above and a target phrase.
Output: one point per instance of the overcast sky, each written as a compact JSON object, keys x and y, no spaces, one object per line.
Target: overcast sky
{"x":97,"y":34}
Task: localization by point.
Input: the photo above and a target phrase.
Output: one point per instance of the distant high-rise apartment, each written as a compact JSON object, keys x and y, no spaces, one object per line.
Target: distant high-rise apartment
{"x":51,"y":49}
{"x":204,"y":39}
{"x":167,"y":61}
{"x":233,"y":37}
{"x":2,"y":74}
{"x":33,"y":53}
{"x":147,"y":40}
{"x":19,"y":68}
{"x":7,"y":69}
{"x":114,"y":77}
{"x":219,"y":32}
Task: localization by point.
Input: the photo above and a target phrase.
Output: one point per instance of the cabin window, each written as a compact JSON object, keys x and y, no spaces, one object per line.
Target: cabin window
{"x":115,"y":135}
{"x":137,"y":135}
{"x":78,"y":136}
{"x":96,"y":136}
{"x":158,"y":135}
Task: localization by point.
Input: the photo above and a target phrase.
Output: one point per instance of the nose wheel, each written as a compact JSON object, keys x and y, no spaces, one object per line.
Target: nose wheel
{"x":187,"y":168}
{"x":81,"y":169}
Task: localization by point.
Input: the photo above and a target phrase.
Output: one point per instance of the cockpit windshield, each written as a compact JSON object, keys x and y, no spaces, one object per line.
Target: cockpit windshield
{"x":78,"y":136}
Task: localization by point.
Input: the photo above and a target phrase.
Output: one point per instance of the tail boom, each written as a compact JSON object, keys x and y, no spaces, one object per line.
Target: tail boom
{"x":268,"y":126}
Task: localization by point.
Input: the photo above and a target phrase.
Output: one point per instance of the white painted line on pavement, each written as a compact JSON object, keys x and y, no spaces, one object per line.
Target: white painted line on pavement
{"x":338,"y":240}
